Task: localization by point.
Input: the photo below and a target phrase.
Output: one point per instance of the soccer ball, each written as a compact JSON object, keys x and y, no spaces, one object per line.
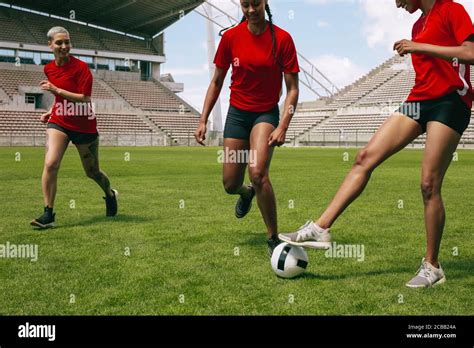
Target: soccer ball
{"x":289,"y":261}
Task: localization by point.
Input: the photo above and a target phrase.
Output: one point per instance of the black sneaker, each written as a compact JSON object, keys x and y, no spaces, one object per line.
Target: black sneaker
{"x":46,"y":220}
{"x":244,"y":204}
{"x":272,"y":244}
{"x":111,"y":204}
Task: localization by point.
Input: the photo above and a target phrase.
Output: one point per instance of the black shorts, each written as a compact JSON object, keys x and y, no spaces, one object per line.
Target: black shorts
{"x":449,"y":110}
{"x":239,"y":123}
{"x":77,"y":138}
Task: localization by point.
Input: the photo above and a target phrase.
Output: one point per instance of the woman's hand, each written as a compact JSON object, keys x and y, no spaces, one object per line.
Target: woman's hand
{"x":277,"y":138}
{"x":48,"y":86}
{"x":45,"y":117}
{"x":404,"y":47}
{"x":200,"y":133}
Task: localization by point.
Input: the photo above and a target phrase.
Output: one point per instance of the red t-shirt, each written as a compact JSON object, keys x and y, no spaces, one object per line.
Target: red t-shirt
{"x":448,"y":24}
{"x":75,"y":77}
{"x":256,"y":77}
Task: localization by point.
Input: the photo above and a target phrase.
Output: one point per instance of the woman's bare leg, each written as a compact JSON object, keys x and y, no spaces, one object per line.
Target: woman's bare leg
{"x":56,"y":145}
{"x":441,"y":142}
{"x":394,"y":135}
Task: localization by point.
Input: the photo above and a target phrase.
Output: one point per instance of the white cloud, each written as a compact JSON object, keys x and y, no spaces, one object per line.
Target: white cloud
{"x":340,"y":70}
{"x":322,"y":24}
{"x":385,"y":23}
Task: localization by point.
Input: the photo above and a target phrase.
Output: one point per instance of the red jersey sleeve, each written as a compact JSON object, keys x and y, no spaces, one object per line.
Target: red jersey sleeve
{"x":460,"y":23}
{"x":85,"y":81}
{"x":289,"y":57}
{"x":223,"y":58}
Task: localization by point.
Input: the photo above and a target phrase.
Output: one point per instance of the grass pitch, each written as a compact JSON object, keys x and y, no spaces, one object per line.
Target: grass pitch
{"x":176,"y":247}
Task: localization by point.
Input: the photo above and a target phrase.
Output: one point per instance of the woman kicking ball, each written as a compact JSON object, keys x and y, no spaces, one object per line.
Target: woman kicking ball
{"x":439,"y":104}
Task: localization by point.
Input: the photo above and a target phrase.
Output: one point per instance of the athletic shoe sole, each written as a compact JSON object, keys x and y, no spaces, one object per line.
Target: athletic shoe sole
{"x":116,"y":198}
{"x":242,"y":216}
{"x":441,"y":281}
{"x":312,"y":245}
{"x":41,"y":226}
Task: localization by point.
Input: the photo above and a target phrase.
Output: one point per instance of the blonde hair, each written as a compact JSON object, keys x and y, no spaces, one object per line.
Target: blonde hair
{"x":56,"y":30}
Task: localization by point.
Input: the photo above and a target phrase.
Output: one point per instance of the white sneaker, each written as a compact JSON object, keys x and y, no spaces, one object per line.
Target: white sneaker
{"x":309,"y":235}
{"x":427,"y":276}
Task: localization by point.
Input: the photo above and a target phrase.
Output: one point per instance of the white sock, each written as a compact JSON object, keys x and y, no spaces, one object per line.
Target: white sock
{"x":319,"y":229}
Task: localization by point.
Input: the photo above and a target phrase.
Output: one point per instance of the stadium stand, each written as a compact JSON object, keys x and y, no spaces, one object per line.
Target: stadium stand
{"x":395,"y":90}
{"x":304,"y":118}
{"x":26,"y":122}
{"x":12,"y":29}
{"x":31,"y":28}
{"x":355,"y":113}
{"x":146,"y":95}
{"x":126,"y":103}
{"x":131,"y":103}
{"x":13,"y":77}
{"x":157,"y":109}
{"x":178,"y":126}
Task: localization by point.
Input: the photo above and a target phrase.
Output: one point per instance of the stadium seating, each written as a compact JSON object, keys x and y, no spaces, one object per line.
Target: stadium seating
{"x":13,"y":30}
{"x":13,"y":78}
{"x":151,"y":107}
{"x":27,"y":27}
{"x":178,"y":126}
{"x":303,"y":119}
{"x":27,"y":122}
{"x":157,"y":108}
{"x":379,"y":93}
{"x":148,"y":95}
{"x":394,"y":91}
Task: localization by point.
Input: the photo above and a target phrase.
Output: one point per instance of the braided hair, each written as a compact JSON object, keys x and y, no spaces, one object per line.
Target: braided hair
{"x":272,"y":31}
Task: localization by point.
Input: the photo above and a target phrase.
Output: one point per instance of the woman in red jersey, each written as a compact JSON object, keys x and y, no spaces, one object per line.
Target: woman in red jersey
{"x":261,"y":54}
{"x":439,"y":104}
{"x":71,"y":118}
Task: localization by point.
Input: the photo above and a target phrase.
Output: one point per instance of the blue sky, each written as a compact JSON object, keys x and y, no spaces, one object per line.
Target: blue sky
{"x":343,"y":38}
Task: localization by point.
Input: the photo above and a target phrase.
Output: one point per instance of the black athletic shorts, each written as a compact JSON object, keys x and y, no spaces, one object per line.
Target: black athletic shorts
{"x":77,"y":138}
{"x":239,"y":123}
{"x":449,"y":110}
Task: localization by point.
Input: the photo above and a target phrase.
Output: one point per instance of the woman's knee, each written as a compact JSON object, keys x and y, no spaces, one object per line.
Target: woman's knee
{"x":231,"y":187}
{"x":259,"y":177}
{"x":93,"y":172}
{"x":430,"y":186}
{"x":52,"y":165}
{"x":365,"y":161}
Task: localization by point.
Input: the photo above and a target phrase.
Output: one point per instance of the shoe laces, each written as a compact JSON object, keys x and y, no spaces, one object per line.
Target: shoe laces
{"x":305,"y":231}
{"x":424,"y":271}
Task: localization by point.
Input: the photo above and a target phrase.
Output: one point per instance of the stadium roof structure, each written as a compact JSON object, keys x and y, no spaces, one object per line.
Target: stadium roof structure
{"x":138,"y":17}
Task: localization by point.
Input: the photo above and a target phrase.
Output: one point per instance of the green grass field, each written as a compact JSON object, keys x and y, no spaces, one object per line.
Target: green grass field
{"x":182,"y":259}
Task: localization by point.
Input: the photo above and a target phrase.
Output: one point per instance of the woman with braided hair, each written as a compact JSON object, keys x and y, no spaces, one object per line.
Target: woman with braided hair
{"x":261,"y":54}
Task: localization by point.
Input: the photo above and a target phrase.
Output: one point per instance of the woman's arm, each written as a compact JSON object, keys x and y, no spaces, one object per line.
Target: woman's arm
{"x":464,"y":54}
{"x":212,"y":95}
{"x":277,"y":138}
{"x":73,"y":97}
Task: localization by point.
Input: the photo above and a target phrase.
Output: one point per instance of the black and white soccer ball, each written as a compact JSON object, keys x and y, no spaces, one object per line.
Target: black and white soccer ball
{"x":289,"y":261}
